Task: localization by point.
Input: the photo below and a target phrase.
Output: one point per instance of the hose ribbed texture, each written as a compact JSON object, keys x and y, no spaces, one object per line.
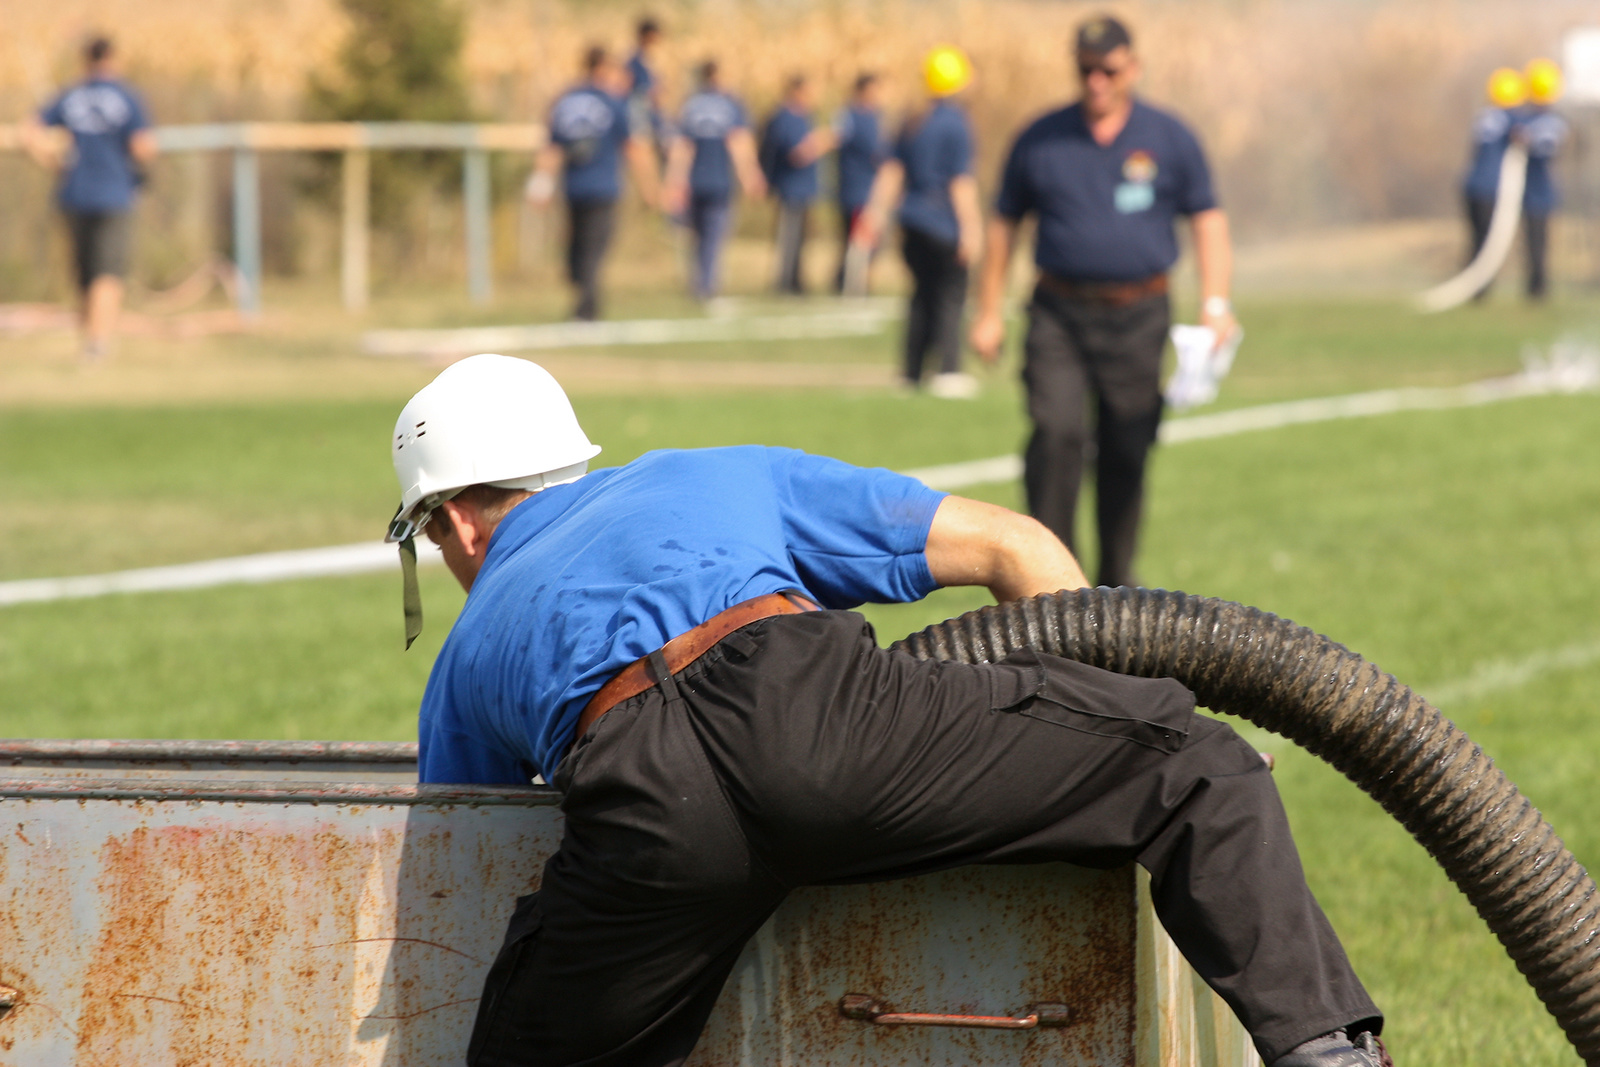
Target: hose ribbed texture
{"x":1427,"y":773}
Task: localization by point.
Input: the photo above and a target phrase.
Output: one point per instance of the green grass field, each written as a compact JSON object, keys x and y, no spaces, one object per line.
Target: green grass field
{"x":1432,"y":543}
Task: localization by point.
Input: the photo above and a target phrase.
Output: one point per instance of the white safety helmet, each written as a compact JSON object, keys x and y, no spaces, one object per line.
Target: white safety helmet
{"x":486,"y":420}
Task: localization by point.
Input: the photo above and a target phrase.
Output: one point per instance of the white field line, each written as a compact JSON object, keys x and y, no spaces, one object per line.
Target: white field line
{"x":376,"y":556}
{"x":1499,"y":674}
{"x":855,"y":322}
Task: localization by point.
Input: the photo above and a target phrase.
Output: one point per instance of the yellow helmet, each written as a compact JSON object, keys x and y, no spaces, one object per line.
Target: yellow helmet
{"x":1544,"y":81}
{"x":947,"y":70}
{"x":1507,"y":88}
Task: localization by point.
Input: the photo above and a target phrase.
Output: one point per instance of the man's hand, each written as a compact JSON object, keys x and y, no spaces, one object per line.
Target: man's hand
{"x":1220,"y":317}
{"x":540,"y":190}
{"x":987,"y":335}
{"x":973,"y":543}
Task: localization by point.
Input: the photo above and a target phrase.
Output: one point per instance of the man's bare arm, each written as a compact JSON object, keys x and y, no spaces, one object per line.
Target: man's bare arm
{"x":989,"y":327}
{"x":1213,"y":253}
{"x":142,"y":146}
{"x":885,"y":194}
{"x":541,"y":187}
{"x":742,"y":147}
{"x":973,"y":543}
{"x":969,"y":218}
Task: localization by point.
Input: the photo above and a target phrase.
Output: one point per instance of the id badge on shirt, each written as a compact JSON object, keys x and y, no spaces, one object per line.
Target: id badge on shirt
{"x":1134,"y":197}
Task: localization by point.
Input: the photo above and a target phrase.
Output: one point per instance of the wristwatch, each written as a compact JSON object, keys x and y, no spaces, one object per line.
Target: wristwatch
{"x":1217,"y":305}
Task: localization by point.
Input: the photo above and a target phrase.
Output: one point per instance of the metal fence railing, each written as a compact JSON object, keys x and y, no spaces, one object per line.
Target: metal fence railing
{"x":355,"y":141}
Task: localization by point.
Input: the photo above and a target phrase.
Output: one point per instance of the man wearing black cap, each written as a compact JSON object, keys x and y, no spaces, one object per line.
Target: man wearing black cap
{"x":1107,"y":178}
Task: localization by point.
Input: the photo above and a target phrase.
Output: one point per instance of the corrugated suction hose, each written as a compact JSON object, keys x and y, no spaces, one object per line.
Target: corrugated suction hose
{"x":1427,"y":773}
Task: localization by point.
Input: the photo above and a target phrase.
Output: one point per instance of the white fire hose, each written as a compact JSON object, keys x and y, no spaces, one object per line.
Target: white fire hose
{"x":1496,"y":246}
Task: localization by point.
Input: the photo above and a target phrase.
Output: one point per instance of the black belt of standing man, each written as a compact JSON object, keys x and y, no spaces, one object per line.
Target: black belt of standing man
{"x":1110,"y":294}
{"x":683,"y":650}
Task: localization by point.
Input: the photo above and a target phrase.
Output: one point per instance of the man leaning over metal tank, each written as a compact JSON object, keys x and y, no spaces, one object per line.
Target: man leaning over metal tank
{"x":669,"y":644}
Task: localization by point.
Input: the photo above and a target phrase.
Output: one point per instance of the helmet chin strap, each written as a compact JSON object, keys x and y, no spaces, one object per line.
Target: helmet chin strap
{"x":410,"y":594}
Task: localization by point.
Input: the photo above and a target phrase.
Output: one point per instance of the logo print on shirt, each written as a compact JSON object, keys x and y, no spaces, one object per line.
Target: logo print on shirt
{"x":93,"y":109}
{"x":581,"y":116}
{"x":1137,"y":193}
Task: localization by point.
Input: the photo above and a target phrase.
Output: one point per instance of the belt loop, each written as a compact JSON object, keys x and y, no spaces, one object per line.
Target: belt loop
{"x":658,"y":666}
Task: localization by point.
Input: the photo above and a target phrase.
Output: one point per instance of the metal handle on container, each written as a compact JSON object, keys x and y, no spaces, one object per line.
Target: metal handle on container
{"x":871,"y":1010}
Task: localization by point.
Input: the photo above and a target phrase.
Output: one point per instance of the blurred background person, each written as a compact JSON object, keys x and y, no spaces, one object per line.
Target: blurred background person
{"x":1107,"y":177}
{"x":111,"y":143}
{"x":929,"y":182}
{"x":590,"y":132}
{"x":1538,"y":127}
{"x":789,"y":151}
{"x":712,"y":146}
{"x":858,"y":131}
{"x":644,"y":88}
{"x":1507,"y":90}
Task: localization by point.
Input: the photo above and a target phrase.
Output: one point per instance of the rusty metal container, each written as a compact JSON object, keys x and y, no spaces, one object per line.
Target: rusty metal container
{"x":234,"y":904}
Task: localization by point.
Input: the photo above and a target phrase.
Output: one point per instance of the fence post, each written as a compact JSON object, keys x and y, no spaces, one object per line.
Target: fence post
{"x":247,"y":227}
{"x":355,"y":220}
{"x":475,"y":190}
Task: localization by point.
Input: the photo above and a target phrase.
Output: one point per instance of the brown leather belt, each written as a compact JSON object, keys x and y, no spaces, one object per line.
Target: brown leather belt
{"x":1111,"y":294}
{"x":684,"y":649}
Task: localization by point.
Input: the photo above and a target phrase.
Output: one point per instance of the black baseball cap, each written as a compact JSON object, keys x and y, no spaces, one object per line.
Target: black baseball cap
{"x":1103,"y":34}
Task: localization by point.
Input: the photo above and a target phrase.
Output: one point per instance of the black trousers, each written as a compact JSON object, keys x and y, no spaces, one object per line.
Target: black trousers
{"x":590,"y":224}
{"x":794,"y":224}
{"x":938,"y":295}
{"x":100,"y":241}
{"x":1080,"y":354}
{"x":1536,"y":243}
{"x":797,"y":752}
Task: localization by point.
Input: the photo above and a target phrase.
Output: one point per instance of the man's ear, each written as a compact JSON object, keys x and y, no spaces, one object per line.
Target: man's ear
{"x":468,"y":525}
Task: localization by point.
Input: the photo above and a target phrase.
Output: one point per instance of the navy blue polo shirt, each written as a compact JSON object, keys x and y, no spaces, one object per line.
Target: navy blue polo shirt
{"x":591,"y":126}
{"x":935,"y":150}
{"x":708,"y":117}
{"x":1491,"y":132}
{"x":861,"y":153}
{"x":1106,"y":212}
{"x":582,"y":579}
{"x":101,"y":114}
{"x":784,"y":132}
{"x":1543,"y":131}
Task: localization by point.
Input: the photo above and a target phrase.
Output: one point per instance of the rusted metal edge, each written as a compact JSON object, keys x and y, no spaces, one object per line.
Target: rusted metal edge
{"x":274,"y":791}
{"x":19,"y":750}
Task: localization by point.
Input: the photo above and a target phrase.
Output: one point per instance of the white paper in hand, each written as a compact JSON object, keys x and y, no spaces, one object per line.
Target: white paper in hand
{"x":1202,"y":364}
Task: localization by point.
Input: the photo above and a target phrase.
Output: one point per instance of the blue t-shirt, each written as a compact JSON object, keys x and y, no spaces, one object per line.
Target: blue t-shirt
{"x":1491,"y":131}
{"x":102,"y":115}
{"x":708,"y":117}
{"x":861,"y":153}
{"x":592,"y":127}
{"x":1106,"y":212}
{"x":582,"y":579}
{"x":784,"y":132}
{"x":1543,"y":131}
{"x":934,"y":150}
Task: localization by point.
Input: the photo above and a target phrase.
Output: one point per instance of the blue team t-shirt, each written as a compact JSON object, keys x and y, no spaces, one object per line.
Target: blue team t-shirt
{"x":1543,"y":131}
{"x":591,"y":126}
{"x":582,"y":579}
{"x":784,"y":132}
{"x":708,"y":117}
{"x":860,"y":154}
{"x":1106,"y":212}
{"x":101,"y":114}
{"x":934,"y":151}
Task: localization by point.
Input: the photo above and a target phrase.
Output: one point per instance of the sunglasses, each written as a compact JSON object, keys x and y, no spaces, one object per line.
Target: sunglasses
{"x":1086,"y":69}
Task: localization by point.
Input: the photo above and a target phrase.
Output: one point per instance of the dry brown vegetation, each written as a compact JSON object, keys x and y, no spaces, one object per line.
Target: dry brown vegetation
{"x":1315,"y":112}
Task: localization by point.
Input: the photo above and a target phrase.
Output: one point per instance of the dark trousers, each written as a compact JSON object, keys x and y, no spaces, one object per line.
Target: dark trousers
{"x":794,"y":219}
{"x":847,"y":224}
{"x":1080,"y":354}
{"x":590,"y":224}
{"x":1536,"y":241}
{"x":708,"y":219}
{"x":938,"y":295}
{"x":100,"y":241}
{"x":797,"y":752}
